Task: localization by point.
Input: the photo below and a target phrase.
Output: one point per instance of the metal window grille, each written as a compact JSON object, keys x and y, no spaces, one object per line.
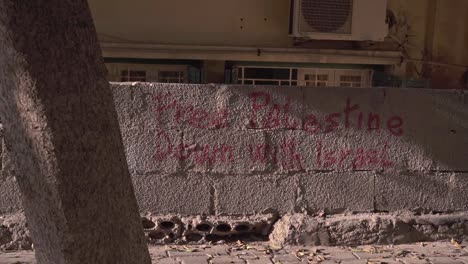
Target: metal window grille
{"x":350,"y":81}
{"x":316,"y":79}
{"x":171,"y":77}
{"x":132,"y":76}
{"x":256,"y":75}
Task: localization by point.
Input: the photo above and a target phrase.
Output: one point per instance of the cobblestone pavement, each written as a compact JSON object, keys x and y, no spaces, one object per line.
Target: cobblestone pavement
{"x":260,"y":253}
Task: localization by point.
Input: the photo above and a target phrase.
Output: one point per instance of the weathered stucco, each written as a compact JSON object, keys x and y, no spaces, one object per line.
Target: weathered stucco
{"x":233,"y":150}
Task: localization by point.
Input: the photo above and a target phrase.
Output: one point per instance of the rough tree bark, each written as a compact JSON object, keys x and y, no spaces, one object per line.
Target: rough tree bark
{"x":63,"y":133}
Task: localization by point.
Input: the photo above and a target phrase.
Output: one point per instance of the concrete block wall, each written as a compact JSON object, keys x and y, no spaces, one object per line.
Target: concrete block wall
{"x":235,"y":150}
{"x":10,"y":198}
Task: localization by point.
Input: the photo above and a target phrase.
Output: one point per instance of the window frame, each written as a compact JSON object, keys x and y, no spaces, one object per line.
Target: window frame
{"x":240,"y":71}
{"x":151,"y":71}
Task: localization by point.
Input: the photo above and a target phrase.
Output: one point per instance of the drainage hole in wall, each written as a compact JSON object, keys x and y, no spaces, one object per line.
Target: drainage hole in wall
{"x":203,"y":227}
{"x":147,"y":224}
{"x":242,"y":228}
{"x":223,"y":228}
{"x":156,"y":235}
{"x":212,"y":238}
{"x":193,"y":237}
{"x":166,"y":225}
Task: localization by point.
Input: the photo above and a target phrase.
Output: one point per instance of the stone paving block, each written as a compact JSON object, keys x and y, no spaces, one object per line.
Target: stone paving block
{"x":26,"y":257}
{"x":409,"y":190}
{"x":445,"y":260}
{"x":259,"y":261}
{"x":343,"y":256}
{"x":245,"y":255}
{"x":415,"y":250}
{"x":438,"y":251}
{"x":176,"y":253}
{"x":337,"y":191}
{"x":166,"y":261}
{"x":217,"y":250}
{"x":329,"y":250}
{"x":366,"y":255}
{"x":226,"y":259}
{"x":164,"y":194}
{"x":440,"y":246}
{"x":250,"y":194}
{"x":332,"y":254}
{"x":193,"y":259}
{"x":287,"y":258}
{"x":413,"y":261}
{"x":157,"y":252}
{"x":383,"y":261}
{"x":287,"y":261}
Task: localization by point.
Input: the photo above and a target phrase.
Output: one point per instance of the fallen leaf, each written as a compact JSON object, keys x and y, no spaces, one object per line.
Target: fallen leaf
{"x":275,"y":247}
{"x":455,"y":243}
{"x":187,"y":249}
{"x":320,"y":258}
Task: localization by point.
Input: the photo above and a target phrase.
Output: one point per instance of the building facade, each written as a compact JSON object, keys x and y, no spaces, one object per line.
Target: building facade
{"x":351,"y":43}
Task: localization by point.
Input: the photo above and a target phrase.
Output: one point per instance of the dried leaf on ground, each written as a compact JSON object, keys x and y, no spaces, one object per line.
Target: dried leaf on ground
{"x":187,"y":249}
{"x":455,"y":243}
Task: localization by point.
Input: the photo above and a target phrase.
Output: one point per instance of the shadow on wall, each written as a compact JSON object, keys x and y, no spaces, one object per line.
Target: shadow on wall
{"x":294,"y":149}
{"x":235,"y":150}
{"x":10,"y":198}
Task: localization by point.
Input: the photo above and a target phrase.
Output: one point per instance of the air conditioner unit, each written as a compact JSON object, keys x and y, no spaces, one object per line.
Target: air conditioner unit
{"x":358,"y":20}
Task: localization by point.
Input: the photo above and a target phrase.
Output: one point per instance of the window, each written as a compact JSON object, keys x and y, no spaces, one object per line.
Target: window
{"x":132,"y":76}
{"x":316,"y":79}
{"x":171,"y":77}
{"x":266,"y":75}
{"x":350,"y":81}
{"x":147,"y":72}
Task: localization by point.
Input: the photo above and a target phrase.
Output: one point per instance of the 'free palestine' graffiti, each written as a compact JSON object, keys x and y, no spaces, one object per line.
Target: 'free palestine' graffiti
{"x":265,"y":114}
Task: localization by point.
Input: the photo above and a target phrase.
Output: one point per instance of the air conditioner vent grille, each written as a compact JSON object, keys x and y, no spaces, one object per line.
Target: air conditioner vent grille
{"x":326,"y":16}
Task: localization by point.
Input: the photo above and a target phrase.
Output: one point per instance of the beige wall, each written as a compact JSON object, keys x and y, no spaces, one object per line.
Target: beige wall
{"x":201,"y":22}
{"x":430,"y":30}
{"x":450,"y":43}
{"x":451,"y":32}
{"x":437,"y":42}
{"x":257,"y":23}
{"x":410,"y":31}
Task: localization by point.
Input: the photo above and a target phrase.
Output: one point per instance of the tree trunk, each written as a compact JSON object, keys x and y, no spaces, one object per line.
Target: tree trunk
{"x":62,"y":129}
